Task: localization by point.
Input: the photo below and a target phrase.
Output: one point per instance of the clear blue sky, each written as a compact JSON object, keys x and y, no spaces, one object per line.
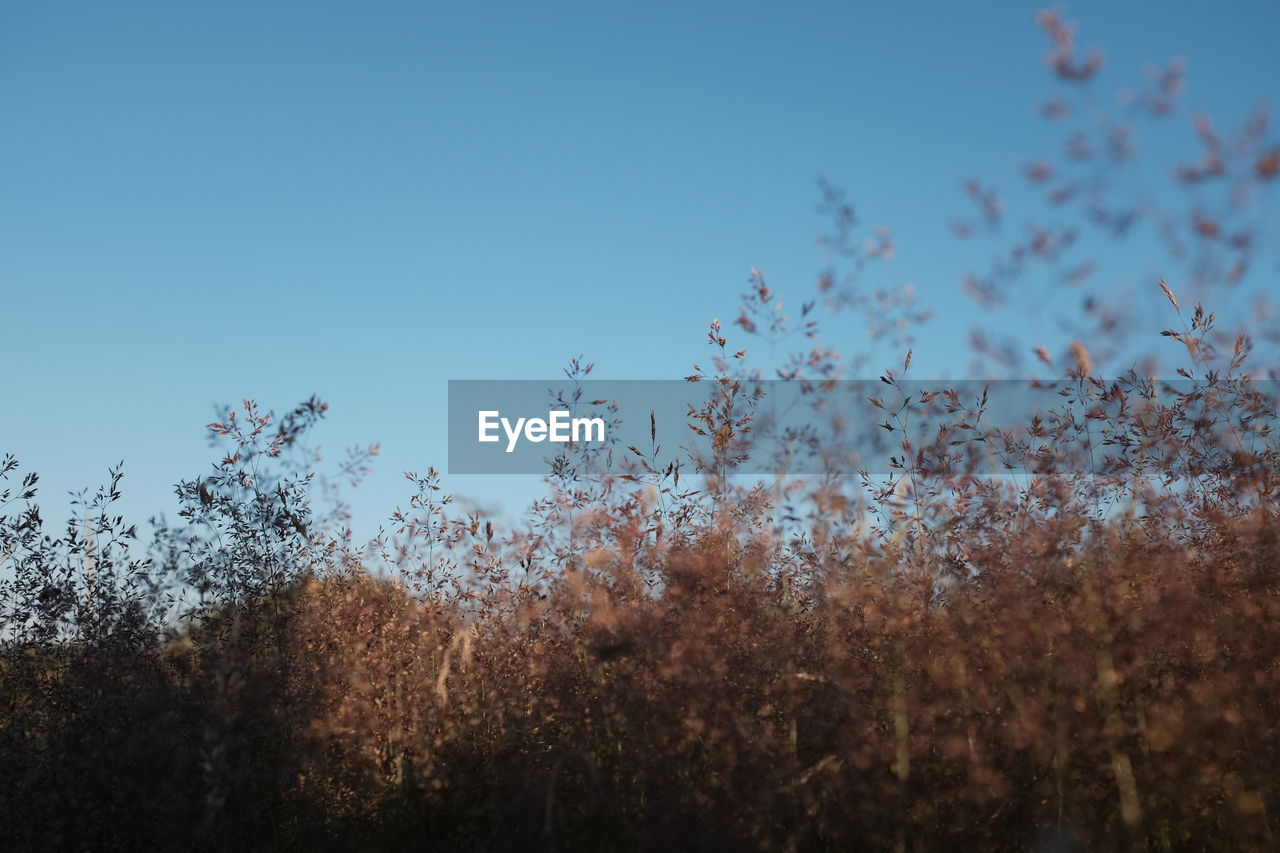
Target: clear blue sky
{"x":203,"y":202}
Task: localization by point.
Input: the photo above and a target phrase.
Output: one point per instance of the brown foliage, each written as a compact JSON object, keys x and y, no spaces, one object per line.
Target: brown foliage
{"x":1076,"y":653}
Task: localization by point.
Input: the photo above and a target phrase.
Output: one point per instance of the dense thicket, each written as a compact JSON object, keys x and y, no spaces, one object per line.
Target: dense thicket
{"x":1076,"y":654}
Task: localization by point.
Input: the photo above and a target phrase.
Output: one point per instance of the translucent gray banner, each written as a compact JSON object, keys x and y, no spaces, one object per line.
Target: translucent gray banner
{"x":770,"y":427}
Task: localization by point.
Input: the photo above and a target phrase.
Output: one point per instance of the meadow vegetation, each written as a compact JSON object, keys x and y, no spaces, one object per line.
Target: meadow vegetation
{"x":1066,"y":656}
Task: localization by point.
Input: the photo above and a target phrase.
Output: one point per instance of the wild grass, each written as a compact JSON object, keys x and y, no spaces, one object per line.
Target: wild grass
{"x":1076,"y":656}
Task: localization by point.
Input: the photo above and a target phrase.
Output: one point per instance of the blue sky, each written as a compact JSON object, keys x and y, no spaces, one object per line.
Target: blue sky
{"x":204,"y":202}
